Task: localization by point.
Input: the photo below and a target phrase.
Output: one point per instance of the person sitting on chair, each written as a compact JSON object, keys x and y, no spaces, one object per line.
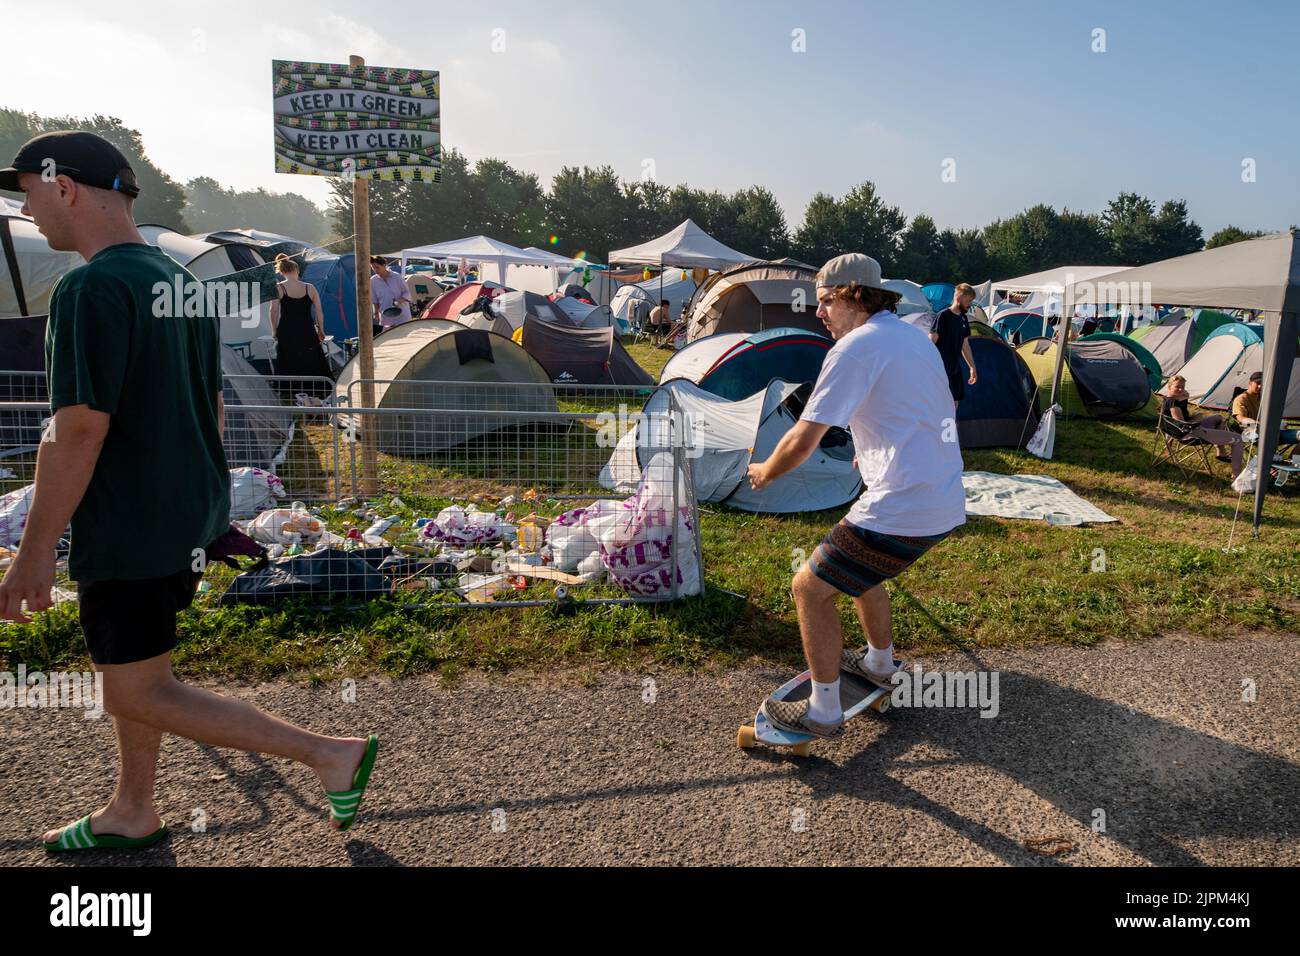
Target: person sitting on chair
{"x":660,"y":322}
{"x":1245,"y":410}
{"x":1211,"y":428}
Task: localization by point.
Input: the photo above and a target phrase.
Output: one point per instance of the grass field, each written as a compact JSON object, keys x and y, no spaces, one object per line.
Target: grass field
{"x":992,"y":583}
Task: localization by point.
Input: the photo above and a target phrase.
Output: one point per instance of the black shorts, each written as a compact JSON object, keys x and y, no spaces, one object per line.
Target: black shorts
{"x":129,"y":621}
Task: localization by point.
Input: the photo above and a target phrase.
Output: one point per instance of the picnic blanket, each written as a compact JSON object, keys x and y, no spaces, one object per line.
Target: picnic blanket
{"x":1035,"y":497}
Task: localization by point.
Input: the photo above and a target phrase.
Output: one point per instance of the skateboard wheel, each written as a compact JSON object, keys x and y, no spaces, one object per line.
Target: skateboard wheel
{"x":881,"y":705}
{"x":803,"y":749}
{"x":561,"y":593}
{"x":745,"y":738}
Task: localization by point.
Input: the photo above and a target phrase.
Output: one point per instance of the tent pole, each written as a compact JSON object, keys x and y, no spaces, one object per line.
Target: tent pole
{"x":365,"y":334}
{"x":1279,"y":355}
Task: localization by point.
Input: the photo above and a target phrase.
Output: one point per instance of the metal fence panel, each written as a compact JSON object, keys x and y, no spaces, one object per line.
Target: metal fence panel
{"x":476,"y":494}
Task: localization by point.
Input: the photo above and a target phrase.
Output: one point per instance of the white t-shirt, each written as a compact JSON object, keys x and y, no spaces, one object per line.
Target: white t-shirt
{"x":886,"y":383}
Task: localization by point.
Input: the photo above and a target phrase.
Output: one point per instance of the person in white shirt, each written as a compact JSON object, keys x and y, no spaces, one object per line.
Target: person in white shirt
{"x":388,"y":291}
{"x":883,"y":380}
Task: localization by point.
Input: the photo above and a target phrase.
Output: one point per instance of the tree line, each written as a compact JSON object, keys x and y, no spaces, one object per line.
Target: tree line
{"x":594,"y":211}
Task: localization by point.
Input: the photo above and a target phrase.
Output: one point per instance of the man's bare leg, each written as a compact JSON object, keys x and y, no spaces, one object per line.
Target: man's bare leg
{"x":147,"y":693}
{"x":819,"y":625}
{"x":873,"y":613}
{"x":130,"y":812}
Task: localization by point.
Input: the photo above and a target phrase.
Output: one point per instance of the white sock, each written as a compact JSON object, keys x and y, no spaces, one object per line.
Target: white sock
{"x":880,"y":659}
{"x":825,"y":702}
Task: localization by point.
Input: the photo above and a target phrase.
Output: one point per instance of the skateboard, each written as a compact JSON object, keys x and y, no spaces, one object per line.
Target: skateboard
{"x":856,"y":695}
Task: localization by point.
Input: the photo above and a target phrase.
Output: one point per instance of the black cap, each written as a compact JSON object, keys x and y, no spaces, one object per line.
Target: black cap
{"x":83,"y":157}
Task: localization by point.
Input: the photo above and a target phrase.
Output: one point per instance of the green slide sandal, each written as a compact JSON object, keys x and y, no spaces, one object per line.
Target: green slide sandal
{"x":344,"y":804}
{"x":78,"y":836}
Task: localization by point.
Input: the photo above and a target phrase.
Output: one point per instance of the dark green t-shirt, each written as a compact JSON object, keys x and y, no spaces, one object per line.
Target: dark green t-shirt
{"x":160,"y":488}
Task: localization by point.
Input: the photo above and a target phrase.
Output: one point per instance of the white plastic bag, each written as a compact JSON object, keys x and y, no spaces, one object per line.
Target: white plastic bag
{"x":13,"y":515}
{"x":638,"y":550}
{"x":459,"y":526}
{"x":253,"y":490}
{"x":575,"y":535}
{"x":1244,"y":483}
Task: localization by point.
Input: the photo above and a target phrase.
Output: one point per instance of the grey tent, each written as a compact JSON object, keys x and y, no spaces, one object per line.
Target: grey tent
{"x":755,"y":297}
{"x":255,"y":439}
{"x":1172,"y":341}
{"x":574,"y":356}
{"x":1261,"y":274}
{"x":477,"y":382}
{"x":723,"y":436}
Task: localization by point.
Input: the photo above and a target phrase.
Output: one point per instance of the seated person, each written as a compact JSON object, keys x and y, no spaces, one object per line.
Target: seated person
{"x":1245,"y":410}
{"x":660,"y":322}
{"x":1176,"y":420}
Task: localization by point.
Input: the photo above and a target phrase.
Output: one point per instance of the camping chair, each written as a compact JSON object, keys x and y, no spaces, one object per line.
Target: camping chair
{"x":1176,"y":444}
{"x":1282,"y":451}
{"x":637,"y":315}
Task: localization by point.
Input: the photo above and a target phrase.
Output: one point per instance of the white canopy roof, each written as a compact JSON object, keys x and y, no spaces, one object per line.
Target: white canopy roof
{"x":1053,"y":280}
{"x":688,"y":246}
{"x":563,"y":262}
{"x":476,"y":249}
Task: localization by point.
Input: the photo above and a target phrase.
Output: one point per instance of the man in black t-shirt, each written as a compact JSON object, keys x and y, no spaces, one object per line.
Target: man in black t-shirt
{"x":133,"y":457}
{"x":949,"y":333}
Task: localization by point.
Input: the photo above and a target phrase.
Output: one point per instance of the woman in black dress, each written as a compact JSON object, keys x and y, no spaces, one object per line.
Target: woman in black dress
{"x":299,"y":328}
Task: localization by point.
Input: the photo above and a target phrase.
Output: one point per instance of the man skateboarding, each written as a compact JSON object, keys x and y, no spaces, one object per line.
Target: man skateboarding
{"x":134,"y":458}
{"x":883,"y":380}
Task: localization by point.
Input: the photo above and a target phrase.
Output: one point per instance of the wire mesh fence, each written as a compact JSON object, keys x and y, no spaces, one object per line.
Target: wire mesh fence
{"x":475,"y":494}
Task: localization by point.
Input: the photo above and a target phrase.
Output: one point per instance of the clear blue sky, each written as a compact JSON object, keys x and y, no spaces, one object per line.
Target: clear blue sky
{"x":713,"y":93}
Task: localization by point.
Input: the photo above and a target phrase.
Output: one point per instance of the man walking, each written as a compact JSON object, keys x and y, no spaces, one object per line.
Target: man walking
{"x":133,"y":458}
{"x":951,"y":334}
{"x":884,"y":381}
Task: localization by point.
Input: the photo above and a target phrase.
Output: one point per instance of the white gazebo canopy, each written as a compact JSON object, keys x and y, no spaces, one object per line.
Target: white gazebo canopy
{"x":1053,"y":280}
{"x":687,"y":247}
{"x":479,"y":249}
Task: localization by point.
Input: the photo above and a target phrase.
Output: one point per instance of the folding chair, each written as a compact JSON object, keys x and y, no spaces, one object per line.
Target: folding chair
{"x":1175,"y":443}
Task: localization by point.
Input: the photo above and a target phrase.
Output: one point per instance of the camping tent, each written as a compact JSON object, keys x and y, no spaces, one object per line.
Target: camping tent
{"x":735,"y":365}
{"x":515,"y":307}
{"x":913,"y":300}
{"x":1101,"y":378}
{"x":754,"y":297}
{"x":724,"y":436}
{"x":1150,"y":364}
{"x":675,"y":285}
{"x":1176,"y":338}
{"x":335,"y":279}
{"x":1231,"y":354}
{"x":268,"y":244}
{"x":576,"y":356}
{"x":476,"y":373}
{"x":1030,"y":325}
{"x":599,"y":284}
{"x":939,"y":295}
{"x":1001,"y":408}
{"x":453,"y":301}
{"x":1261,"y":274}
{"x":29,"y":268}
{"x":184,"y":249}
{"x":253,"y":439}
{"x":686,"y":247}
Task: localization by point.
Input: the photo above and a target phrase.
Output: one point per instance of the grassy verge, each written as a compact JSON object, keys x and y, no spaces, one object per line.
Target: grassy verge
{"x":993,"y":583}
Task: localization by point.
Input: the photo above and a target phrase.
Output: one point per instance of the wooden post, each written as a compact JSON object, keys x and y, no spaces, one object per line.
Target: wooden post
{"x":365,"y":333}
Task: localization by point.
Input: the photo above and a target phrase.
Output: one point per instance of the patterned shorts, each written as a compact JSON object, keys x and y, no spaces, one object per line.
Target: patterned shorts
{"x":854,"y":560}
